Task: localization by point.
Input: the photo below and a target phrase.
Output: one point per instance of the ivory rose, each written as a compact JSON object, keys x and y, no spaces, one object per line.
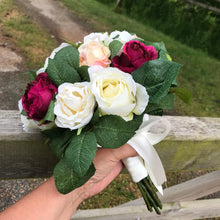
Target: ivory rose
{"x":117,"y":93}
{"x":122,"y":36}
{"x":74,"y":105}
{"x":94,"y":53}
{"x":102,"y":38}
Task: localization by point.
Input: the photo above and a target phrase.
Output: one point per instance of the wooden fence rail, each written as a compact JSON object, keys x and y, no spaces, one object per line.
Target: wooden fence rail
{"x":177,"y":203}
{"x":192,"y":144}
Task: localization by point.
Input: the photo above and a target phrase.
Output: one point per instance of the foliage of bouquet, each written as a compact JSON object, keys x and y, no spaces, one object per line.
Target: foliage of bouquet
{"x":97,"y":93}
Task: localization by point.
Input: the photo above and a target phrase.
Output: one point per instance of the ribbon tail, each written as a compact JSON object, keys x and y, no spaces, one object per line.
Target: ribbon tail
{"x":152,"y":161}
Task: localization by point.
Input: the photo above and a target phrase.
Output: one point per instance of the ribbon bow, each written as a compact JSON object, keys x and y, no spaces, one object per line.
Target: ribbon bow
{"x":148,"y":161}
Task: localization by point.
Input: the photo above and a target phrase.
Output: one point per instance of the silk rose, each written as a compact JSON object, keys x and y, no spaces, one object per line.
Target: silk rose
{"x":117,"y":93}
{"x":38,"y":96}
{"x":134,"y":55}
{"x":94,"y":50}
{"x":74,"y":105}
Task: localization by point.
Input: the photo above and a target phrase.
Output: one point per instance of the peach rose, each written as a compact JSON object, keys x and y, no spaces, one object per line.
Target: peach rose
{"x":94,"y":53}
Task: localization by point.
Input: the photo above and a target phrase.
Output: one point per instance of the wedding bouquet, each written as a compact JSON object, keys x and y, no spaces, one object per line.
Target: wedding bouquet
{"x":101,"y":93}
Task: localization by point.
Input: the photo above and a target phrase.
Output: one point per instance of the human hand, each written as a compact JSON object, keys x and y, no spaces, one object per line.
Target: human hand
{"x":108,"y":165}
{"x":59,"y":206}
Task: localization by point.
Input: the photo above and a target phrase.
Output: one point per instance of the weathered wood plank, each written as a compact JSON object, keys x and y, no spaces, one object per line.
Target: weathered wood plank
{"x":193,"y":143}
{"x":189,"y":155}
{"x":22,"y":154}
{"x":26,"y":159}
{"x":185,"y":210}
{"x":189,"y":190}
{"x":183,"y":128}
{"x":193,"y":189}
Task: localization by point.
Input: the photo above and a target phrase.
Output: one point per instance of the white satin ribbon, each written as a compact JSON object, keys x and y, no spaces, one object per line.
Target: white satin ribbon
{"x":149,"y":163}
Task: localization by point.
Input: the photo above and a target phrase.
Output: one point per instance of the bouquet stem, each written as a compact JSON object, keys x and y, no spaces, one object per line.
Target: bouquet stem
{"x":149,"y":195}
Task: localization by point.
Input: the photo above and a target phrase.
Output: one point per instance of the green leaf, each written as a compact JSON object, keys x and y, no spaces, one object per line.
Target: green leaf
{"x":81,"y":152}
{"x":59,"y":139}
{"x":60,"y":72}
{"x":167,"y":102}
{"x":114,"y":47}
{"x":68,"y":55}
{"x":71,"y":43}
{"x":184,"y":94}
{"x":49,"y":115}
{"x":23,"y":112}
{"x":157,"y":45}
{"x":63,"y":68}
{"x":117,"y":36}
{"x":154,"y":109}
{"x":54,"y":132}
{"x":67,"y":180}
{"x":83,"y":72}
{"x":112,"y":131}
{"x":32,"y":74}
{"x":164,"y":55}
{"x":95,"y":117}
{"x":174,"y":83}
{"x":157,"y":77}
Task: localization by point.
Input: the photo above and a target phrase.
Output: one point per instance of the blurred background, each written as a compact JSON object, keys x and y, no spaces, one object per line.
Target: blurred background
{"x":31,"y":29}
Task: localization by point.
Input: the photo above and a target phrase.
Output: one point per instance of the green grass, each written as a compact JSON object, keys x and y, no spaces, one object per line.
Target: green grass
{"x":35,"y":43}
{"x":200,"y":73}
{"x":5,"y":6}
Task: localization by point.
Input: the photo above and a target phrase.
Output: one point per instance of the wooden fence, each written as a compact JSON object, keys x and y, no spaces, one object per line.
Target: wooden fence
{"x":192,"y":144}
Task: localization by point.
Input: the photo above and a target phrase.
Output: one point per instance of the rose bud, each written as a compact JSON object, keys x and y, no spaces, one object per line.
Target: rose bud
{"x":38,"y":96}
{"x":134,"y":55}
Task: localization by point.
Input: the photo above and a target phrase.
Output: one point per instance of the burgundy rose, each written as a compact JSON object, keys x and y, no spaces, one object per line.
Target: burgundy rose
{"x":38,"y":96}
{"x":123,"y":63}
{"x":134,"y":55}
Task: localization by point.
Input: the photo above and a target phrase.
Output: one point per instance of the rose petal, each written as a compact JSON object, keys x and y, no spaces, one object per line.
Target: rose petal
{"x":142,"y":99}
{"x":74,"y":105}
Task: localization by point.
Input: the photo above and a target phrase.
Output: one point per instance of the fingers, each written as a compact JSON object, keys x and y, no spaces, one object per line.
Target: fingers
{"x":124,"y":152}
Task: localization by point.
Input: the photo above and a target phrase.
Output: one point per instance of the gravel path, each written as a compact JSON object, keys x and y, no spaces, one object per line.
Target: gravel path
{"x":56,"y":19}
{"x":13,"y":190}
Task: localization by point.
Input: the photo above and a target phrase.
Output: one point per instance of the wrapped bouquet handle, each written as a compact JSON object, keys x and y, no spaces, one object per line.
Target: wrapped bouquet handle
{"x":148,"y":161}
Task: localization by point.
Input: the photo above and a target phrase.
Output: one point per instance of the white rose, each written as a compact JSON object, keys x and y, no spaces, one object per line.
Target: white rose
{"x":74,"y":105}
{"x":102,"y":38}
{"x":117,"y":93}
{"x":31,"y":125}
{"x":122,"y":36}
